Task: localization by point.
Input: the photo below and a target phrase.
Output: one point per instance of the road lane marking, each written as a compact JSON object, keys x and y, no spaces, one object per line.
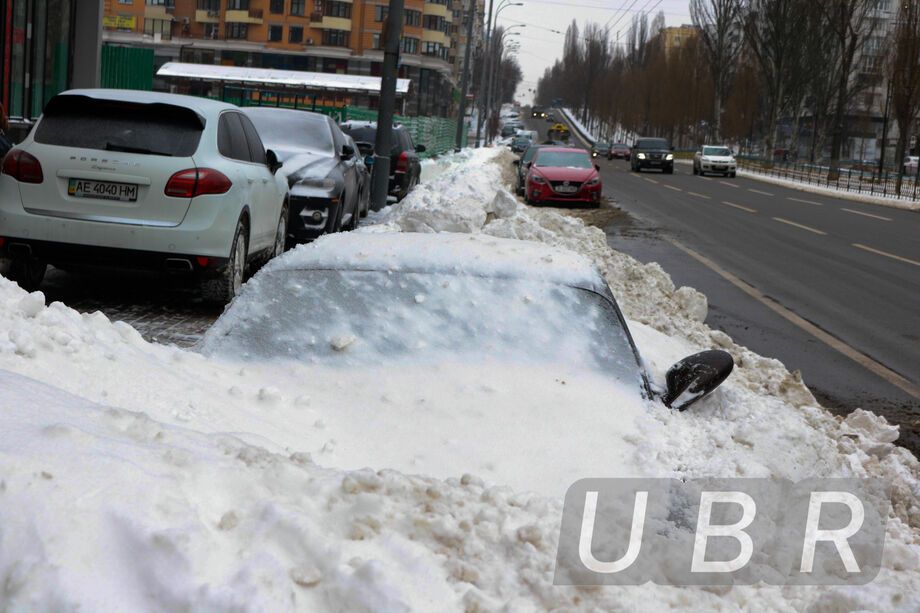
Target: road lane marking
{"x":798,"y":225}
{"x":831,"y":341}
{"x":804,"y":201}
{"x":676,"y":189}
{"x":650,"y":180}
{"x":729,"y":184}
{"x":699,"y":195}
{"x":886,"y":254}
{"x":707,"y":178}
{"x":757,"y":191}
{"x":867,"y":214}
{"x":738,"y":206}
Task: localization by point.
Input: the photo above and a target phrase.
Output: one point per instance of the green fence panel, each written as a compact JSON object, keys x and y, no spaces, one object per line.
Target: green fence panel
{"x":127,"y":68}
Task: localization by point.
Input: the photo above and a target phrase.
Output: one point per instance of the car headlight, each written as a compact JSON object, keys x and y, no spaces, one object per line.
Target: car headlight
{"x":593,"y":182}
{"x":537,"y":179}
{"x":319,"y":183}
{"x":641,"y":156}
{"x":669,"y":157}
{"x":594,"y":154}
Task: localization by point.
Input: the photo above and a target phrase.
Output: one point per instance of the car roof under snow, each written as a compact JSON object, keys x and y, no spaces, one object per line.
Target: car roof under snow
{"x":445,"y":253}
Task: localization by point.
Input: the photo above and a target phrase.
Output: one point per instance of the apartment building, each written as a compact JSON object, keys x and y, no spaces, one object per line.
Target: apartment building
{"x":338,"y":36}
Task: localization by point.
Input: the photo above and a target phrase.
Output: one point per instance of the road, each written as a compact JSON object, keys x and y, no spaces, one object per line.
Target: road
{"x":829,"y":286}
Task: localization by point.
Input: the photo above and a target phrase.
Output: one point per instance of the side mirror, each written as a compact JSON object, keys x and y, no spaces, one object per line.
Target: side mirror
{"x":272,"y":161}
{"x":347,"y":152}
{"x":597,"y":167}
{"x":695,"y":377}
{"x":421,"y":148}
{"x":516,"y":163}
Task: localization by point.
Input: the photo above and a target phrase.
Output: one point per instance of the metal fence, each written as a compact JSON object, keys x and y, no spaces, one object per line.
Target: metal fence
{"x":856,"y":180}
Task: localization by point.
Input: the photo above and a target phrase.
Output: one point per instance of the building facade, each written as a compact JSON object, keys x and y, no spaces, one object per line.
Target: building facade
{"x":676,"y":36}
{"x":339,"y":36}
{"x":47,"y":46}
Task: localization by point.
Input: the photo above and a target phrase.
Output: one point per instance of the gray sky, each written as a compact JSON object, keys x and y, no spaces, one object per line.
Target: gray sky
{"x":540,"y":46}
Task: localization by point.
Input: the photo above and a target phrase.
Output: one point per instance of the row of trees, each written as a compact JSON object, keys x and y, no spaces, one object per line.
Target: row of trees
{"x":764,"y":71}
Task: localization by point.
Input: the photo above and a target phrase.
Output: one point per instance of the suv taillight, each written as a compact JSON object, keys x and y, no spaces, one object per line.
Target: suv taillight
{"x":402,"y":162}
{"x":197,"y":182}
{"x":22,"y":166}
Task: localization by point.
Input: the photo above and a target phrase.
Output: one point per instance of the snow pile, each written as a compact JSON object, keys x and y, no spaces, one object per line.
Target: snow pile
{"x":170,"y":480}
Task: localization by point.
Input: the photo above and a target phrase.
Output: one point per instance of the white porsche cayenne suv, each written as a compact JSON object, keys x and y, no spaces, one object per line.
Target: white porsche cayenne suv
{"x":142,"y":180}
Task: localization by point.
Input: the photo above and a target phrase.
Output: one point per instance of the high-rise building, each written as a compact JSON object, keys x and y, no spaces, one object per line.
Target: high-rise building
{"x":339,"y":36}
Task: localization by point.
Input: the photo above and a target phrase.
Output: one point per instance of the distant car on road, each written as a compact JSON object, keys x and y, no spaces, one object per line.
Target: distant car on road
{"x":538,"y":113}
{"x":651,"y":153}
{"x":320,"y":166}
{"x":563,"y":174}
{"x":619,"y":151}
{"x":445,"y":302}
{"x":142,"y":180}
{"x":910,"y":165}
{"x":600,"y":150}
{"x":714,"y":159}
{"x":405,"y":164}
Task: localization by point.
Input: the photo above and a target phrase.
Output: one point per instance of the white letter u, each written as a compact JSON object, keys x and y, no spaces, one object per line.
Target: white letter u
{"x":587,"y":535}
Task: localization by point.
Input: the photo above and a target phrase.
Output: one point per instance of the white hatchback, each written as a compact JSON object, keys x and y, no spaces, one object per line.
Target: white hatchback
{"x":142,"y":180}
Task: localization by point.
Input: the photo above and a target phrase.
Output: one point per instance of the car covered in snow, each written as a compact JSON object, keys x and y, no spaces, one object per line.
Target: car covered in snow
{"x":563,"y":174}
{"x":453,"y":316}
{"x":714,"y":159}
{"x":142,"y":180}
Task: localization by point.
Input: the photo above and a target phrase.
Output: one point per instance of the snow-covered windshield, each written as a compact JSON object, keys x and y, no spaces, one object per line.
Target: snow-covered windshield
{"x":717,"y":151}
{"x":288,"y":129}
{"x":563,"y":159}
{"x":371,"y":318}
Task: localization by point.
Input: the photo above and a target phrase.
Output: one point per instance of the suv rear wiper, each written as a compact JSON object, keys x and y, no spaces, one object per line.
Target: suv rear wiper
{"x":129,"y":149}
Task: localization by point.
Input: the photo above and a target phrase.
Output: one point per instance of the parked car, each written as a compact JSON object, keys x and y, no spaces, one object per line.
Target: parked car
{"x":142,"y":180}
{"x":364,"y":174}
{"x":521,"y":167}
{"x":909,"y":167}
{"x":600,"y":150}
{"x":525,"y":307}
{"x":714,"y":159}
{"x":619,"y":151}
{"x":563,"y":174}
{"x":319,"y":166}
{"x":519,"y":144}
{"x":551,"y":117}
{"x":405,"y":164}
{"x":651,"y":153}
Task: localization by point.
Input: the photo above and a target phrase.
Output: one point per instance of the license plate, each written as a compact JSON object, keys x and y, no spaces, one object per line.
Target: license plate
{"x":566,"y":189}
{"x":102,"y":190}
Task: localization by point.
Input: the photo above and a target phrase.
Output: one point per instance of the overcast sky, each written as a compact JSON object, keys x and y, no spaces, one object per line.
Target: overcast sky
{"x":540,"y":46}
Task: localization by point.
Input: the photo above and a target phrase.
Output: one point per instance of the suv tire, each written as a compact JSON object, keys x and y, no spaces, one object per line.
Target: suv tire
{"x":225,"y":287}
{"x":28,"y":272}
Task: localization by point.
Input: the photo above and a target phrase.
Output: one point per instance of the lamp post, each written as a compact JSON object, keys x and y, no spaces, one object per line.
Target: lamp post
{"x":465,"y":80}
{"x":380,"y":178}
{"x":490,"y":46}
{"x":492,"y":71}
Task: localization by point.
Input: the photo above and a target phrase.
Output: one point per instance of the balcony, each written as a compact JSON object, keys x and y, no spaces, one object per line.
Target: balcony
{"x":203,"y":16}
{"x":250,"y":16}
{"x":323,"y":22}
{"x":439,"y":10}
{"x":158,"y":11}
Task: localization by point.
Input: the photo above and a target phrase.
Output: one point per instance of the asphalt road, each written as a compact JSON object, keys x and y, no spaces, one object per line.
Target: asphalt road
{"x":829,"y":286}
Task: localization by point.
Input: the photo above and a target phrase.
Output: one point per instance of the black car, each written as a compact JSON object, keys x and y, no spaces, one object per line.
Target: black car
{"x":320,"y":166}
{"x":519,"y":144}
{"x":522,"y":165}
{"x":652,"y":153}
{"x":600,"y":150}
{"x":537,"y":112}
{"x":405,"y":164}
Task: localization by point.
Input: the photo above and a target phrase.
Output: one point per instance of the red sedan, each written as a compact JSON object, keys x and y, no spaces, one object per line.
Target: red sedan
{"x":563,"y":174}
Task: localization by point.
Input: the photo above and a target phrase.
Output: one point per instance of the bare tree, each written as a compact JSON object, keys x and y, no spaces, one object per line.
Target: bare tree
{"x":905,"y":75}
{"x":720,"y":24}
{"x":774,"y":31}
{"x":850,"y":24}
{"x":596,"y":57}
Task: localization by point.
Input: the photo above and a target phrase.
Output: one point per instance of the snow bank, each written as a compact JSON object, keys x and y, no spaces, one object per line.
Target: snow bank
{"x":169,"y":480}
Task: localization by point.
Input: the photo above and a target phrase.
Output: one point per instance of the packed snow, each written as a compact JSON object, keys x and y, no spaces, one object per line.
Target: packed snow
{"x":137,"y":476}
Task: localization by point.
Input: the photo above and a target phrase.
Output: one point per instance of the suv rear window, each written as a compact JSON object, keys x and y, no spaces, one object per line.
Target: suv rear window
{"x":365,"y":134}
{"x":115,"y":125}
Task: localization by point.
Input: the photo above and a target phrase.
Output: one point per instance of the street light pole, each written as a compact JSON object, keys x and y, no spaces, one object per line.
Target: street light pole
{"x":492,"y":71}
{"x":383,"y":142}
{"x":491,"y":61}
{"x":483,"y":75}
{"x":465,"y":81}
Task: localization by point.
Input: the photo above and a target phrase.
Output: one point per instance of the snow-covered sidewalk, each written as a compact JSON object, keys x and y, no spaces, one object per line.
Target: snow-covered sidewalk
{"x":137,"y":476}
